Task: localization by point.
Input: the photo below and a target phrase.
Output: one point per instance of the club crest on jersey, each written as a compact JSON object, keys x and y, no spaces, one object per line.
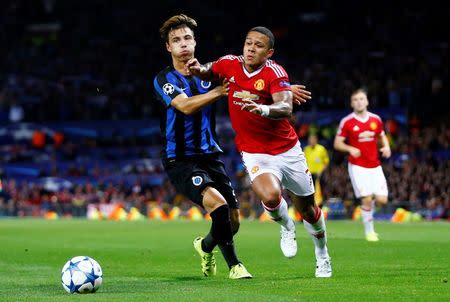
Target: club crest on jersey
{"x":205,"y":84}
{"x":259,"y":84}
{"x":244,"y":94}
{"x":255,"y":169}
{"x":168,"y":89}
{"x":373,"y":126}
{"x":197,"y":180}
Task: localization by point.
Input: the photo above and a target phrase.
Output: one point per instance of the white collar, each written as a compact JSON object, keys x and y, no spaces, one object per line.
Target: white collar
{"x":361,"y":119}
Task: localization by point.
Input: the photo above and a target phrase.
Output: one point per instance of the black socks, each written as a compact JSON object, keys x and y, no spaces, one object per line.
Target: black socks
{"x":221,"y":235}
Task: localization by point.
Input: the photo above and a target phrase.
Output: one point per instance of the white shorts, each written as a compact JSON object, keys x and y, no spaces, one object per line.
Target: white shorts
{"x":367,"y":181}
{"x":289,"y":167}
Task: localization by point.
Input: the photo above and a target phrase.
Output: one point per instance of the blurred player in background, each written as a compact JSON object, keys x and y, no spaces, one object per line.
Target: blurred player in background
{"x":317,"y":159}
{"x":260,"y":105}
{"x":358,"y":135}
{"x":191,"y":150}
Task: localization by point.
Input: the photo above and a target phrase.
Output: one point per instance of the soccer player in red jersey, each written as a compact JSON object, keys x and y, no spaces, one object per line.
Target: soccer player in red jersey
{"x":260,"y":104}
{"x":358,"y":135}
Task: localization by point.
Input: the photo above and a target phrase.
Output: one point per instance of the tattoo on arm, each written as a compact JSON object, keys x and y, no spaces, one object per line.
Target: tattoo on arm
{"x":206,"y":72}
{"x":282,"y":105}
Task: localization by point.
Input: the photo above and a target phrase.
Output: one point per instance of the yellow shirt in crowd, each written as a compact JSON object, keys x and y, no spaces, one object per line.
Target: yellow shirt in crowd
{"x":317,"y":158}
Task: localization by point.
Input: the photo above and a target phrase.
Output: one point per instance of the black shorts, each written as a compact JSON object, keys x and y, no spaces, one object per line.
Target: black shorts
{"x":190,"y":176}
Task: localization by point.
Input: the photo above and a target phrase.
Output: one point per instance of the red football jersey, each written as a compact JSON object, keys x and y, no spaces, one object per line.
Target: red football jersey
{"x":254,"y":133}
{"x":362,"y":134}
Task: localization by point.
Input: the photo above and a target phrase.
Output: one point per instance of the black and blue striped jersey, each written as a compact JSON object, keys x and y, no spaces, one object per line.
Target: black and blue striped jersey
{"x":184,"y":135}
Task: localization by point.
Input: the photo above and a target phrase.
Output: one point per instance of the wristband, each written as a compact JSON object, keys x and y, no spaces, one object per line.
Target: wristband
{"x":265,"y":110}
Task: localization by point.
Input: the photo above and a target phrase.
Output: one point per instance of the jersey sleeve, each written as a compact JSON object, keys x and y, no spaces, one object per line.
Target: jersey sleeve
{"x":166,"y":88}
{"x":380,"y":125}
{"x":222,"y":65}
{"x":278,"y":78}
{"x":382,"y":133}
{"x":342,"y":129}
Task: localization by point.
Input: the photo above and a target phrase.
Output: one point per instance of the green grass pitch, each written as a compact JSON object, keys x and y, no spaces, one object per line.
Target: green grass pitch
{"x":155,"y":261}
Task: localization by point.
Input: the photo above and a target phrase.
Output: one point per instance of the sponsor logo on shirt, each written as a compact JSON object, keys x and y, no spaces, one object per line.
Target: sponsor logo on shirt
{"x":366,"y":136}
{"x":244,"y":94}
{"x":259,"y":84}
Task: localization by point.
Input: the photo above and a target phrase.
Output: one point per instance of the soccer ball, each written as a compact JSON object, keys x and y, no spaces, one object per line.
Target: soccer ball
{"x":81,"y":275}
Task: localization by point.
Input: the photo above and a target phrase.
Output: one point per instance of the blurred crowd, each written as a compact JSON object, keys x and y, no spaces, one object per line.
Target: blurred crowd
{"x":90,"y":60}
{"x":95,"y":60}
{"x":417,"y":174}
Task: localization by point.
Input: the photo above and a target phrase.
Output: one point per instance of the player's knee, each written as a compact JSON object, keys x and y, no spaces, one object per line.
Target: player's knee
{"x":381,"y":200}
{"x":212,"y":199}
{"x":305,"y":205}
{"x":271,"y":198}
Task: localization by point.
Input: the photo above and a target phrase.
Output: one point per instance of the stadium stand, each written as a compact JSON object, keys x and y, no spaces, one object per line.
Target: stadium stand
{"x":79,"y":126}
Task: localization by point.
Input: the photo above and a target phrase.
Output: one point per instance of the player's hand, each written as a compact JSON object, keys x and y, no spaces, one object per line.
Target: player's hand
{"x":300,"y":94}
{"x":355,"y":152}
{"x":224,"y":88}
{"x":251,"y":106}
{"x":385,"y":151}
{"x":193,"y":67}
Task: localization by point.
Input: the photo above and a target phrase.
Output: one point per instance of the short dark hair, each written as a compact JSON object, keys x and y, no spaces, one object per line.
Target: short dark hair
{"x":267,"y":32}
{"x":356,"y":91}
{"x":175,"y":22}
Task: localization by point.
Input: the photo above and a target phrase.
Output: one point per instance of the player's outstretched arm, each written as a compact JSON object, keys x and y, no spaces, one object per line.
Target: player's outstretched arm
{"x":300,"y":94}
{"x":190,"y":105}
{"x":204,"y":72}
{"x":280,"y":109}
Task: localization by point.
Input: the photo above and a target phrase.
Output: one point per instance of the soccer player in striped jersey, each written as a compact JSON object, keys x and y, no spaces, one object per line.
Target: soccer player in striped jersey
{"x":358,"y":135}
{"x":191,"y":149}
{"x":260,"y":104}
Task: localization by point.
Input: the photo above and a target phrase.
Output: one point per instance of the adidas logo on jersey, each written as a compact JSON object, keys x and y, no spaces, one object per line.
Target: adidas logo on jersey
{"x":232,"y":80}
{"x":355,"y":128}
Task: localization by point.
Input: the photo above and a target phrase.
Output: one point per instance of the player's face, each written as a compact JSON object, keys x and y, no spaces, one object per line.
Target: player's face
{"x":359,"y":102}
{"x":312,"y":140}
{"x":181,"y":44}
{"x":256,"y":50}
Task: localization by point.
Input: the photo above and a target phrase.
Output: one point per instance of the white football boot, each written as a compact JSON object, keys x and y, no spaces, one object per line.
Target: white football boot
{"x":323,"y":267}
{"x":288,"y":242}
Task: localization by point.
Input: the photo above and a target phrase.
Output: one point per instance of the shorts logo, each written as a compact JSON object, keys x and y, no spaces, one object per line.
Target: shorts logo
{"x":259,"y":84}
{"x":197,"y":180}
{"x":168,"y":88}
{"x":255,"y":169}
{"x":205,"y":85}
